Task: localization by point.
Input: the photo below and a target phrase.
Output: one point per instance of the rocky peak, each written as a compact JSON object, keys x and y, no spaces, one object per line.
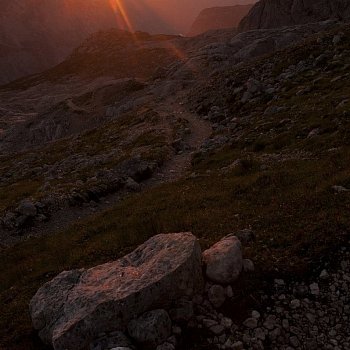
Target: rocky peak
{"x":278,"y":13}
{"x":219,"y":18}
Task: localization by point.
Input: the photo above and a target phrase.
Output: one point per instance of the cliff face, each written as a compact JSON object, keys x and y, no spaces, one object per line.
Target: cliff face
{"x":219,"y":18}
{"x":277,"y":13}
{"x":36,"y":34}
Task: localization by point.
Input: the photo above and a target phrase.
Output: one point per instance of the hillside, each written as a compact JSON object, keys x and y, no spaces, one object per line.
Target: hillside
{"x":219,"y":18}
{"x":217,"y":134}
{"x":36,"y":35}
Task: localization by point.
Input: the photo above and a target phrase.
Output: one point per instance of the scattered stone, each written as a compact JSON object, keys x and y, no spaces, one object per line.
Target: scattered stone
{"x":27,"y":208}
{"x":251,"y":323}
{"x":295,"y":303}
{"x":256,"y":314}
{"x":324,"y":275}
{"x":217,"y":295}
{"x":340,"y":189}
{"x":238,"y":346}
{"x":132,"y":185}
{"x":246,"y":236}
{"x":270,"y":322}
{"x":248,"y":265}
{"x":314,"y":289}
{"x":229,"y":292}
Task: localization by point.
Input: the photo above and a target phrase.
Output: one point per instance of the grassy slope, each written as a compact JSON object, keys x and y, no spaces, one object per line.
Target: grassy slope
{"x":296,"y":215}
{"x":22,"y":182}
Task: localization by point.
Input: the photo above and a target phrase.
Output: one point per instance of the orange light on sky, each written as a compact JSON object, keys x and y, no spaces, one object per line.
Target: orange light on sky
{"x":119,"y":9}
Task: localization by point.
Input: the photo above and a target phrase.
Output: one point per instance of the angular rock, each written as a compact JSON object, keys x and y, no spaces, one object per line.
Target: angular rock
{"x":217,"y":295}
{"x":224,"y":260}
{"x":116,"y":341}
{"x":245,"y":236}
{"x":182,"y":312}
{"x":151,"y":329}
{"x":27,"y":208}
{"x":72,"y":309}
{"x":248,"y":265}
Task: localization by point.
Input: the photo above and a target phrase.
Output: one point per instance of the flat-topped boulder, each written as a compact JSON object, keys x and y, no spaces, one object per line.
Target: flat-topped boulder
{"x":73,"y":308}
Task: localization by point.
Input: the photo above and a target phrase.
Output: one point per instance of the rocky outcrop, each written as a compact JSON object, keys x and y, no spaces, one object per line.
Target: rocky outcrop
{"x":279,"y":13}
{"x":219,"y":18}
{"x":72,"y":309}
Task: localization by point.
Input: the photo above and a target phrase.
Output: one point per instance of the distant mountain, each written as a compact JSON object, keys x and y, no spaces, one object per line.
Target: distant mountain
{"x":278,"y":13}
{"x":37,"y":34}
{"x":219,"y":18}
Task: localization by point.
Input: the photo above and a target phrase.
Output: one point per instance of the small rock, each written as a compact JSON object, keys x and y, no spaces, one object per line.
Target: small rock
{"x":295,"y":303}
{"x":256,"y":314}
{"x":217,"y":295}
{"x":279,"y":282}
{"x":226,"y":322}
{"x":245,"y":236}
{"x":314,"y":289}
{"x":151,"y":329}
{"x":340,"y":189}
{"x":238,"y":345}
{"x":270,"y":322}
{"x":132,"y":185}
{"x":251,"y":323}
{"x":324,"y":275}
{"x":166,"y":346}
{"x":294,"y":341}
{"x":229,"y":292}
{"x":248,"y":265}
{"x":27,"y":208}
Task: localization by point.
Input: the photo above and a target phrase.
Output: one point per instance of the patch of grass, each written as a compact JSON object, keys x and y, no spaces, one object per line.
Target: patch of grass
{"x":17,"y":191}
{"x":290,"y":206}
{"x":123,"y":136}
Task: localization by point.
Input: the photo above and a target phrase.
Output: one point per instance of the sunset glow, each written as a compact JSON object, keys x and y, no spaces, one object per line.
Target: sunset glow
{"x":122,"y":14}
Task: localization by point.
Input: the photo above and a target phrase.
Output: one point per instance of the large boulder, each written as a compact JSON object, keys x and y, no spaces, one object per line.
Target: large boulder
{"x":224,"y":260}
{"x":72,"y":309}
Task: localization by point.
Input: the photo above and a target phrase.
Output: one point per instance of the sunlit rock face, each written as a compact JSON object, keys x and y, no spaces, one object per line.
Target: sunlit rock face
{"x":77,"y":305}
{"x":219,"y":18}
{"x":37,"y":34}
{"x":278,"y":13}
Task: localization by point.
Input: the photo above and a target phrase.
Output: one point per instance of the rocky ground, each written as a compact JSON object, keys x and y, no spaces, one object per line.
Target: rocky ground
{"x":295,"y":314}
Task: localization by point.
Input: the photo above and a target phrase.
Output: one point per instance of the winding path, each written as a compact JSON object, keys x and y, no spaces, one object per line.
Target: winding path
{"x":172,"y":170}
{"x":177,"y":166}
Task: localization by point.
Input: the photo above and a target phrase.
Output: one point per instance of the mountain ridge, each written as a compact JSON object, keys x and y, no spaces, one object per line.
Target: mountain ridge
{"x":218,"y":18}
{"x":277,"y":13}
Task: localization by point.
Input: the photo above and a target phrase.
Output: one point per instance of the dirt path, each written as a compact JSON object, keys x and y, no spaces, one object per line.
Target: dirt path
{"x":178,"y":165}
{"x":172,"y":170}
